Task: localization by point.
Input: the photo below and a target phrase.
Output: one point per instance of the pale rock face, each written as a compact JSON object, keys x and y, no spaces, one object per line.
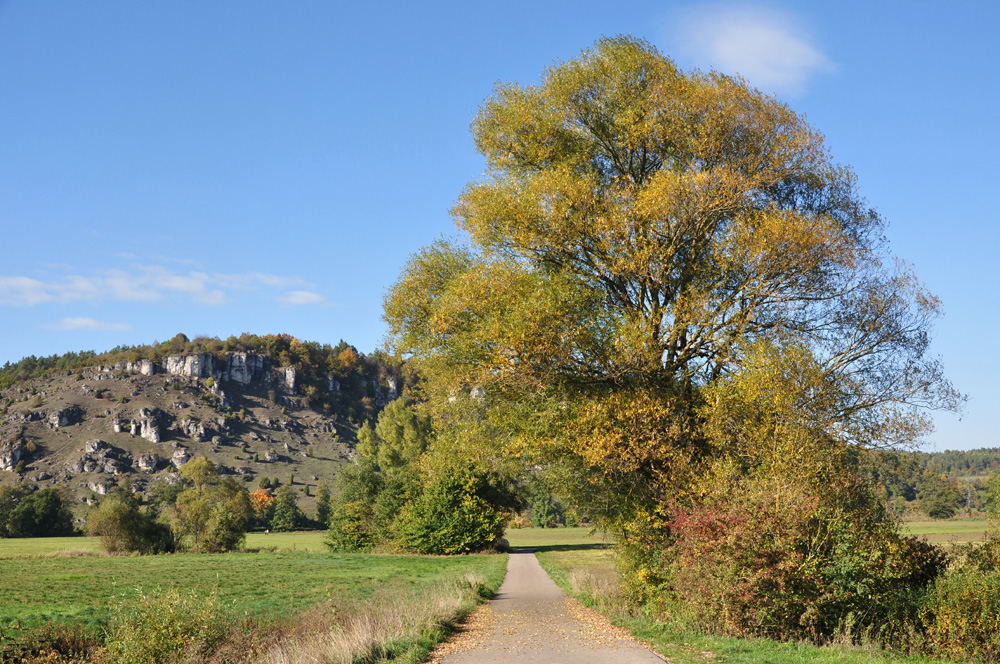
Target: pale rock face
{"x":148,"y":462}
{"x":100,"y":488}
{"x":244,"y":366}
{"x":65,"y":416}
{"x":180,"y":457}
{"x":393,"y":388}
{"x":114,"y":467}
{"x":194,"y":429}
{"x":95,"y":445}
{"x":10,"y":454}
{"x":199,"y":365}
{"x":286,"y":379}
{"x":149,"y":427}
{"x":144,"y":367}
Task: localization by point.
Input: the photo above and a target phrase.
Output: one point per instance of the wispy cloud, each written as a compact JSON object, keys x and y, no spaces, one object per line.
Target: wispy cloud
{"x":299,"y":297}
{"x":145,"y":283}
{"x":771,"y":50}
{"x":86,"y":324}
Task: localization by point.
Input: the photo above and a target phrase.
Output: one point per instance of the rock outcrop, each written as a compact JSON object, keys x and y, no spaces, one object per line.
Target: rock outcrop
{"x":199,"y":365}
{"x":64,"y":417}
{"x":10,"y":454}
{"x":149,"y":462}
{"x":149,"y":426}
{"x":180,"y":457}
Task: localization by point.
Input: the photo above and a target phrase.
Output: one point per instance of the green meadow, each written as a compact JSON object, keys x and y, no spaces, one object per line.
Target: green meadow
{"x":945,"y":531}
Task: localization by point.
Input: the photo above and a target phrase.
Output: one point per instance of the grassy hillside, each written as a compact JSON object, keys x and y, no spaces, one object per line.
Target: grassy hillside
{"x":295,"y":434}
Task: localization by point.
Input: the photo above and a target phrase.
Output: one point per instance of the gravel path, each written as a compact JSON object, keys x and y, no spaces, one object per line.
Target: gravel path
{"x":530,"y":620}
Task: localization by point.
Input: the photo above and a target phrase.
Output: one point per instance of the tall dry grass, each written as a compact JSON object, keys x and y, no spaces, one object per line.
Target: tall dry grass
{"x":600,"y":585}
{"x":384,"y":627}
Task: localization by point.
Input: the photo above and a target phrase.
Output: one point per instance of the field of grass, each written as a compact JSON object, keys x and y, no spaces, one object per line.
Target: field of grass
{"x":42,"y":546}
{"x":306,"y":542}
{"x":952,"y":530}
{"x":37,"y":590}
{"x":546,"y":538}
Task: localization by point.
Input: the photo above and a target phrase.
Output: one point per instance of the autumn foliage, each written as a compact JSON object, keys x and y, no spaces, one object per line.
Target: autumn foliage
{"x":668,"y":290}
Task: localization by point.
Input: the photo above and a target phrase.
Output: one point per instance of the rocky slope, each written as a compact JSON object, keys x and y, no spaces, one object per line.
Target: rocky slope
{"x":88,"y":429}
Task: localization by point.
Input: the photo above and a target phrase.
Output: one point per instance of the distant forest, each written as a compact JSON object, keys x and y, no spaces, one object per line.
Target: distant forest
{"x":939,"y":484}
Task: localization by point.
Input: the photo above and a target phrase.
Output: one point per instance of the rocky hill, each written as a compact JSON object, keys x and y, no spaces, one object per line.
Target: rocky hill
{"x":255,"y":406}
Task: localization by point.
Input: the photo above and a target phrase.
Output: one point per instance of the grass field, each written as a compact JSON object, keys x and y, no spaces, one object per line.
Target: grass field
{"x":306,"y":542}
{"x":69,"y":578}
{"x":952,"y":530}
{"x":561,"y":538}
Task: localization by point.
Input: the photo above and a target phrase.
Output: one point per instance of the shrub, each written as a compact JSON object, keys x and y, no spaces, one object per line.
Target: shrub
{"x":986,"y":556}
{"x":350,"y":528}
{"x":164,"y":627}
{"x":213,"y":512}
{"x":454,"y":514}
{"x":122,"y":526}
{"x":40,"y":514}
{"x":963,"y":615}
{"x":787,"y":560}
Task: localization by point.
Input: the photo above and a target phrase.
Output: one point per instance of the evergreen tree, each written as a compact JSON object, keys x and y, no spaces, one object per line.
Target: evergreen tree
{"x":323,"y":506}
{"x":287,"y":515}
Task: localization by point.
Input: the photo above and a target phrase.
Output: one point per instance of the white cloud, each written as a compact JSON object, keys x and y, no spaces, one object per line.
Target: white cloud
{"x":771,"y":50}
{"x":86,"y":324}
{"x":23,"y":291}
{"x":147,"y":283}
{"x":299,"y":297}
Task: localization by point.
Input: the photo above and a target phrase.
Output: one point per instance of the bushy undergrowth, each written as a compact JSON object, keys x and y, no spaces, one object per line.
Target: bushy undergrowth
{"x":164,"y":626}
{"x":962,"y":613}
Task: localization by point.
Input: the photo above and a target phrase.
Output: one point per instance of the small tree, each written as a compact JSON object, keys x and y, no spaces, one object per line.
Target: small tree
{"x":40,"y":514}
{"x":123,"y":526}
{"x":287,"y":515}
{"x":323,"y":506}
{"x":262,"y":503}
{"x":457,"y":513}
{"x":214,"y":513}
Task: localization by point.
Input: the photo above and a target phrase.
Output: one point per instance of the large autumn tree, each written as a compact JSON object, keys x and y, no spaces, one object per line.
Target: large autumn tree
{"x":663,"y":270}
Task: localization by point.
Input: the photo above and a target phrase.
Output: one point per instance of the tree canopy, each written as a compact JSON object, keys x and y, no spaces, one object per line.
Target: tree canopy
{"x":641,"y":231}
{"x":670,"y":290}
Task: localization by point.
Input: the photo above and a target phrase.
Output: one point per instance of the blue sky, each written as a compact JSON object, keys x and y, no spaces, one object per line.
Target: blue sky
{"x":215,"y":168}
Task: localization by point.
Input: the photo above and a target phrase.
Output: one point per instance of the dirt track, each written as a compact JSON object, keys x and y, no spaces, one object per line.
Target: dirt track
{"x":530,"y":620}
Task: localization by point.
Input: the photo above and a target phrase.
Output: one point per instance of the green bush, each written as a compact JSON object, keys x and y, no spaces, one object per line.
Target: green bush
{"x":454,"y":514}
{"x":986,"y":556}
{"x":351,"y":528}
{"x":40,"y":514}
{"x":164,"y":626}
{"x":962,"y":614}
{"x":287,"y":515}
{"x":123,"y":526}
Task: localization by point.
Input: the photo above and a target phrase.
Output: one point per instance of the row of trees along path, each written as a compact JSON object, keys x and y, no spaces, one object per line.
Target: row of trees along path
{"x":531,"y":620}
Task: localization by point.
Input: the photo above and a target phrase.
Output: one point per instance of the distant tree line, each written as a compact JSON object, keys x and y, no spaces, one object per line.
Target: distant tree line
{"x":938,"y":484}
